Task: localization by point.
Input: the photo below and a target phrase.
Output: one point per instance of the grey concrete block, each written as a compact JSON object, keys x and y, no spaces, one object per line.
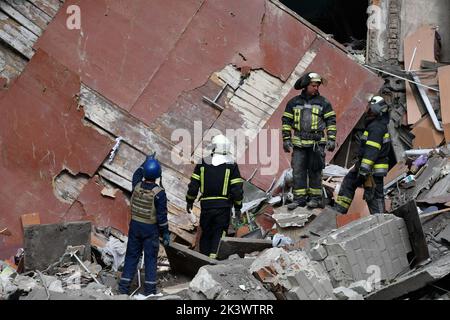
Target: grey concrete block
{"x":361,"y":287}
{"x":318,"y":253}
{"x":300,"y":293}
{"x":343,"y":293}
{"x":45,"y":244}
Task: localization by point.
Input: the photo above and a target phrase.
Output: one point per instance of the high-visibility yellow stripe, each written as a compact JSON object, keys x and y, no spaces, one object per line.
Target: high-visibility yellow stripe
{"x":238,"y":202}
{"x":367,"y":161}
{"x":332,"y":137}
{"x":202,"y":179}
{"x":314,"y":119}
{"x":381,"y":166}
{"x":387,"y":136}
{"x":343,"y":204}
{"x":237,"y":180}
{"x":344,"y":199}
{"x":195,"y":176}
{"x":214,"y":198}
{"x":374,"y":144}
{"x":225,"y":182}
{"x":366,"y":133}
{"x":300,"y":192}
{"x":286,"y":127}
{"x":329,"y":114}
{"x":190,"y":197}
{"x":332,"y":128}
{"x":288,"y":115}
{"x":315,"y":192}
{"x":297,"y":115}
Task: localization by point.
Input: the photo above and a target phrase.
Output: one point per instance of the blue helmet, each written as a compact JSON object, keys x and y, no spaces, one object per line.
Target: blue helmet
{"x":152,"y":168}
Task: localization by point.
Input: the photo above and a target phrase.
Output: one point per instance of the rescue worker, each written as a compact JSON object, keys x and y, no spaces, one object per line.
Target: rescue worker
{"x":309,"y":115}
{"x":372,"y":164}
{"x":221,"y":187}
{"x":148,"y":222}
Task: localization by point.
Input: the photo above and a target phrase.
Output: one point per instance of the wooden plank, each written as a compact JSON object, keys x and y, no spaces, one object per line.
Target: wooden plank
{"x":31,"y":12}
{"x":444,"y":85}
{"x":50,"y":7}
{"x":20,"y":18}
{"x":11,"y":63}
{"x":118,"y":123}
{"x":17,"y":36}
{"x":422,"y":42}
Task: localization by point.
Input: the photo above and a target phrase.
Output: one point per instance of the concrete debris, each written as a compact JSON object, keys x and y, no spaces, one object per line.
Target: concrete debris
{"x":280,"y":240}
{"x":296,"y":218}
{"x":240,"y":246}
{"x":225,"y":282}
{"x":343,"y":293}
{"x":292,"y":275}
{"x":39,"y":257}
{"x":362,"y":287}
{"x":375,"y":244}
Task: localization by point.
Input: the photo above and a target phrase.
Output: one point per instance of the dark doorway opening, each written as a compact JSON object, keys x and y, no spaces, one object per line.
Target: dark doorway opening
{"x":345,"y":20}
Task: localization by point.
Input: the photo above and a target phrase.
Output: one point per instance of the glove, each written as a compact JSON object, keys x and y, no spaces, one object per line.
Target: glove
{"x":166,"y":238}
{"x":189,"y":207}
{"x":331,"y":145}
{"x":287,"y":146}
{"x":237,"y":218}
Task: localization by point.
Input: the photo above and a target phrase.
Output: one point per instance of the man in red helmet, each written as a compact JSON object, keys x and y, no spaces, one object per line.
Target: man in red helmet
{"x":148,"y":221}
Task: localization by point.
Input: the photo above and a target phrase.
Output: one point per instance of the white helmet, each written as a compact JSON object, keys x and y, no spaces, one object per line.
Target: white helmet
{"x":221,"y":145}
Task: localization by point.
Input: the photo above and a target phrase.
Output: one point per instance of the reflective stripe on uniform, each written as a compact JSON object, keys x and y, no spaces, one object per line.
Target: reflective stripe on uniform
{"x":315,"y":192}
{"x":332,"y":137}
{"x":164,"y":224}
{"x":288,"y":115}
{"x":381,"y":168}
{"x":238,"y":202}
{"x":365,"y":136}
{"x":226,"y":180}
{"x":373,"y":144}
{"x":237,"y":180}
{"x":300,"y":192}
{"x":287,"y":127}
{"x":190,"y":197}
{"x":195,"y":176}
{"x":329,"y":114}
{"x":297,"y":115}
{"x":344,"y":201}
{"x":202,"y":179}
{"x":387,"y":138}
{"x":332,"y":127}
{"x":214,"y":198}
{"x":367,"y":161}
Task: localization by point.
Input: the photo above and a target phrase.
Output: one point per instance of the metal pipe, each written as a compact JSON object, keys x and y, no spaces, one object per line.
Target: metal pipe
{"x":396,"y":76}
{"x":419,"y":152}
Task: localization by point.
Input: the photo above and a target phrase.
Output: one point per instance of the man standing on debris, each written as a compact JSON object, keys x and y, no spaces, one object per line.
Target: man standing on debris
{"x":148,"y":221}
{"x":221,"y":187}
{"x":309,"y":115}
{"x":373,"y":161}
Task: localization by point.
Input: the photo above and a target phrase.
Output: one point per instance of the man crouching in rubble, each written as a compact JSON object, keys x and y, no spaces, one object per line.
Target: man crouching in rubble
{"x":372,"y":164}
{"x":221,"y":188}
{"x":148,"y":221}
{"x":308,"y":115}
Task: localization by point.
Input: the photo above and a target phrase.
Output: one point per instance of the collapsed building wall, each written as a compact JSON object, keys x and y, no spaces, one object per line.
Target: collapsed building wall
{"x":139,"y":75}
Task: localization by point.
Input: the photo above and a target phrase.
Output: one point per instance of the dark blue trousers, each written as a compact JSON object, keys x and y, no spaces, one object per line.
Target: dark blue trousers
{"x":141,"y":236}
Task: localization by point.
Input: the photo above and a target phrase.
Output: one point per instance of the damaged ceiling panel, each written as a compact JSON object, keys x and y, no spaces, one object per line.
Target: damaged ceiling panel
{"x":41,"y":135}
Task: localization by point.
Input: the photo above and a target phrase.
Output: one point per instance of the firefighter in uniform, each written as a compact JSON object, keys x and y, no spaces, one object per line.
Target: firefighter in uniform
{"x":221,"y":187}
{"x":309,"y":115}
{"x":148,"y":222}
{"x":373,"y":161}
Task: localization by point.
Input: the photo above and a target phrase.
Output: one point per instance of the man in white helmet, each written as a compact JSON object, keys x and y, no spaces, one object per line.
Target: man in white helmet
{"x":372,"y":164}
{"x":309,"y":116}
{"x":219,"y":181}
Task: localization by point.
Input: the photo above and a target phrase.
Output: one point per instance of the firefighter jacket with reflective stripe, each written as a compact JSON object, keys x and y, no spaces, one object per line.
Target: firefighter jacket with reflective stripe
{"x":141,"y":204}
{"x":309,"y":117}
{"x":220,"y":186}
{"x":375,"y":147}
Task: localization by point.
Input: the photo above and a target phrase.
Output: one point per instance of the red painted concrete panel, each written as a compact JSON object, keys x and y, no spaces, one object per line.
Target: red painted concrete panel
{"x":347,"y":88}
{"x":41,"y":132}
{"x":102,"y":211}
{"x":121,"y":44}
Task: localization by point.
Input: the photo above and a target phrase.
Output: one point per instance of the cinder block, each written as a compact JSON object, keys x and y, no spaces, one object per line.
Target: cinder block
{"x":380,"y":239}
{"x":388,"y":269}
{"x":303,"y":282}
{"x":318,"y":252}
{"x":350,"y":253}
{"x":300,"y":293}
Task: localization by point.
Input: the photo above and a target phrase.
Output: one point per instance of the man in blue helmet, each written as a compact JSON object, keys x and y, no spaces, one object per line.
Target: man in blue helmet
{"x":148,"y":221}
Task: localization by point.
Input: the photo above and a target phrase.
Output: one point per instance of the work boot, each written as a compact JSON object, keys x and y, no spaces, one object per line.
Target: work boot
{"x":295,"y":204}
{"x":313,"y":203}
